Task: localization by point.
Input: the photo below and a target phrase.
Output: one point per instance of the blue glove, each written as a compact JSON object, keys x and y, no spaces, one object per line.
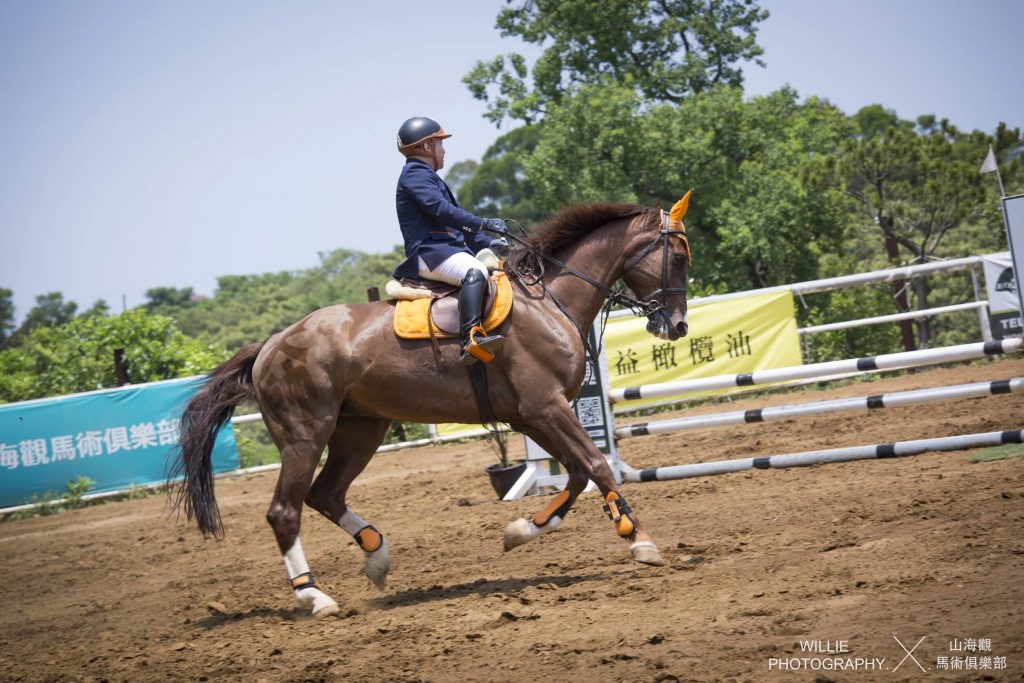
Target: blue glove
{"x":499,"y":246}
{"x":495,"y":225}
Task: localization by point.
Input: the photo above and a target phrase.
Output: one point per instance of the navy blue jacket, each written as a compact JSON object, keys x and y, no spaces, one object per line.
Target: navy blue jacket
{"x":433,"y":225}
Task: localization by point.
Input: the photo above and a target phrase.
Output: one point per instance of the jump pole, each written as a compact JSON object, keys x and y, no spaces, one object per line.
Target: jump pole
{"x":891,"y":361}
{"x":901,"y":398}
{"x":890,"y":450}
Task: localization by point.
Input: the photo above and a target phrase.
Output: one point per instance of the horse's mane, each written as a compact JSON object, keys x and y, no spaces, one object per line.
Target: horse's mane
{"x":572,"y":222}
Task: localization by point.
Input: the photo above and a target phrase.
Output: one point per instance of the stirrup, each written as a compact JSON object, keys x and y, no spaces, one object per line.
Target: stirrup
{"x":482,"y":350}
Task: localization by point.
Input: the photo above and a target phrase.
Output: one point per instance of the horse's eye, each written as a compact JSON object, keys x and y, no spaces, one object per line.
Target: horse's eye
{"x":679,"y":259}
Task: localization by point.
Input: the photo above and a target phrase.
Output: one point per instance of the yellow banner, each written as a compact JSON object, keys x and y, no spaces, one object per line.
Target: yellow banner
{"x":725,"y":338}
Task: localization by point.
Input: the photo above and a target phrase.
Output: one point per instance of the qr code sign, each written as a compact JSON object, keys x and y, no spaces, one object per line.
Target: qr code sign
{"x":589,"y":411}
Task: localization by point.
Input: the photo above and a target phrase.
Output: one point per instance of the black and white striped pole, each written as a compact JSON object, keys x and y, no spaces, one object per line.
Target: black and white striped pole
{"x":890,"y":450}
{"x":891,"y":361}
{"x":875,"y":402}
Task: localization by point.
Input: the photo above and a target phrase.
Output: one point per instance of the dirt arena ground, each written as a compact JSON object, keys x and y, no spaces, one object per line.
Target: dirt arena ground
{"x":866,"y":553}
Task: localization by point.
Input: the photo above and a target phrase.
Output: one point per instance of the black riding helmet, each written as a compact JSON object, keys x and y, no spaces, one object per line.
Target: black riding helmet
{"x":416,"y":130}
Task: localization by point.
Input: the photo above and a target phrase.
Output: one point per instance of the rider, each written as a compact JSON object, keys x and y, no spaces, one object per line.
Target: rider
{"x":441,"y":238}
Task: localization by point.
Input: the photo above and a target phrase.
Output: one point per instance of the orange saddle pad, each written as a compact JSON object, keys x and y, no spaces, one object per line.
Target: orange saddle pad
{"x":411,"y":316}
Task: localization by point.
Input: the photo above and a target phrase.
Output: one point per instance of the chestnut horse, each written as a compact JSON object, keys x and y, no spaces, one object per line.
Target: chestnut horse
{"x":338,"y":378}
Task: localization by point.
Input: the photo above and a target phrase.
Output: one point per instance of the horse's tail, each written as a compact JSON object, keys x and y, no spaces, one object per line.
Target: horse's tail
{"x":205,"y":414}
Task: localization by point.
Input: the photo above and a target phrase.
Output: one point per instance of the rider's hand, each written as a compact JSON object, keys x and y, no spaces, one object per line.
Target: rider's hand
{"x":495,"y":225}
{"x":499,"y":246}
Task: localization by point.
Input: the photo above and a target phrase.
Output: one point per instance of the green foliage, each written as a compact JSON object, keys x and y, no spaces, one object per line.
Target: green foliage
{"x":248,"y":308}
{"x":6,"y":315}
{"x":762,"y":212}
{"x":406,"y":431}
{"x":50,"y":503}
{"x":168,"y":296}
{"x":662,"y":50}
{"x":50,"y":310}
{"x":78,"y":355}
{"x":255,"y":446}
{"x":916,"y":188}
{"x":498,"y":185}
{"x":856,"y":342}
{"x":75,"y":490}
{"x":591,"y":147}
{"x":99,"y":308}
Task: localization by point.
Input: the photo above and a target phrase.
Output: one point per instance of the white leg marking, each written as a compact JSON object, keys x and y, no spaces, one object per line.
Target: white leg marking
{"x":524,"y":530}
{"x":312,"y":599}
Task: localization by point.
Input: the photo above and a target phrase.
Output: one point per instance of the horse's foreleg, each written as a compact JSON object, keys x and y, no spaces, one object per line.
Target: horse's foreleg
{"x":524,"y":530}
{"x":353,"y":444}
{"x":565,"y":434}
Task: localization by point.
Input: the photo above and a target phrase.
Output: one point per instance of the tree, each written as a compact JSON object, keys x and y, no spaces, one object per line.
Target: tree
{"x":498,"y":185}
{"x":50,"y":310}
{"x":915,"y":189}
{"x":6,"y":315}
{"x":78,"y":355}
{"x":158,"y":297}
{"x":663,"y":49}
{"x":100,"y":308}
{"x":759,"y":217}
{"x":247,"y":308}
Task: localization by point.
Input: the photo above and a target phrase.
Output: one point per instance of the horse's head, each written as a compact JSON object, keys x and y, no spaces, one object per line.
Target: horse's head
{"x":656,"y":268}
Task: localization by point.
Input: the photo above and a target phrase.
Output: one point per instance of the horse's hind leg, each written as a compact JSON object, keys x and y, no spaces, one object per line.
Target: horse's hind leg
{"x":350,"y":448}
{"x":301,"y":439}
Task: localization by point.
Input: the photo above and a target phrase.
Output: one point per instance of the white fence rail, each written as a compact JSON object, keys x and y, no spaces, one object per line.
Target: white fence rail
{"x":843,"y":281}
{"x":895,"y":317}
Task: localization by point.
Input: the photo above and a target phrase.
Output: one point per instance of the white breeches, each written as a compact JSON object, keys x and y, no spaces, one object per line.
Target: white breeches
{"x":453,"y":268}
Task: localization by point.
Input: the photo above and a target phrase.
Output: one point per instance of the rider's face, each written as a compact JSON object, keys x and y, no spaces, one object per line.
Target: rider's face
{"x":437,"y":153}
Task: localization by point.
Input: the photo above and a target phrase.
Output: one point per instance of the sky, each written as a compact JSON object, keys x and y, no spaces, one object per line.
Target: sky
{"x":147,"y":144}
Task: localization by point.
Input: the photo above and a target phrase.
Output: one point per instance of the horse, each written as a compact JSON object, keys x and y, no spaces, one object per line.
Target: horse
{"x":340,"y":376}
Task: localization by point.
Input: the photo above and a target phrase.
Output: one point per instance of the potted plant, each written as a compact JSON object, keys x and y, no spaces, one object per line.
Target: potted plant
{"x":503,"y":473}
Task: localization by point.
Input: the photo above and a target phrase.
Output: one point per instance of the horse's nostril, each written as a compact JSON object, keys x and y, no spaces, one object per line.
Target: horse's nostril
{"x":682,"y":328}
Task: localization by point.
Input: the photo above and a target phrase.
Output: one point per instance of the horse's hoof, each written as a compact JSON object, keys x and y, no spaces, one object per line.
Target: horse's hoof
{"x":519,"y":532}
{"x":646,"y":553}
{"x":317,"y":602}
{"x":377,"y":565}
{"x":327,"y":610}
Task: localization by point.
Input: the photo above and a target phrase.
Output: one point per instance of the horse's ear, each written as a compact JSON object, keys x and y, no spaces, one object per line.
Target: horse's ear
{"x":679,"y":208}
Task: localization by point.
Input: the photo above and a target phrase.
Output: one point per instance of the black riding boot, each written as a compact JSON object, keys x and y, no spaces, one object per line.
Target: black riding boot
{"x":476,"y":344}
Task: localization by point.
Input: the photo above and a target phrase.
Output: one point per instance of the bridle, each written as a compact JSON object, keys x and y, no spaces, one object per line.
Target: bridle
{"x":657,"y":301}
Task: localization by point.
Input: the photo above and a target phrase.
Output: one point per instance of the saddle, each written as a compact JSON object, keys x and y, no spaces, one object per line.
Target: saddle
{"x":420,"y":301}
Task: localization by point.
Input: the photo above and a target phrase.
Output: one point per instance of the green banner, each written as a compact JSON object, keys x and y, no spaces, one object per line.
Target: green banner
{"x":116,"y":438}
